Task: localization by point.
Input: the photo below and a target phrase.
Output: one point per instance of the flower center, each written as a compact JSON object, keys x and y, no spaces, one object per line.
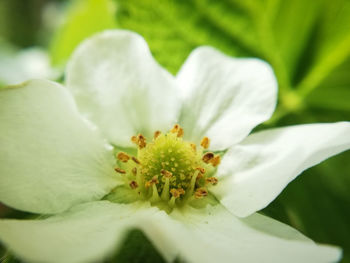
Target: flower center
{"x":169,"y":171}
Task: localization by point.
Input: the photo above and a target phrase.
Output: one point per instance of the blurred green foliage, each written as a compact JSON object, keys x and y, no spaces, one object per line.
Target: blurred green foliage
{"x":306,"y":42}
{"x":20,"y":21}
{"x":84,"y":18}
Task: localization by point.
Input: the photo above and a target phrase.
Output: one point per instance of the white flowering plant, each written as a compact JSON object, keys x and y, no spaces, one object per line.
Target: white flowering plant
{"x":125,"y":145}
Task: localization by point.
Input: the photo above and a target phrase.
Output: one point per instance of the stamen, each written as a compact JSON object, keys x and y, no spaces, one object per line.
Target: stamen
{"x":133,"y":185}
{"x":123,"y":157}
{"x":175,"y":128}
{"x":140,"y":180}
{"x":135,"y":160}
{"x":118,"y":170}
{"x":212,"y":180}
{"x":166,"y":173}
{"x":216,"y":160}
{"x":156,"y":134}
{"x":200,"y":175}
{"x":155,"y":195}
{"x":200,"y":193}
{"x":169,"y":171}
{"x":207,"y":157}
{"x":201,"y":170}
{"x":193,"y":183}
{"x":180,"y":132}
{"x":205,"y":142}
{"x":177,"y":192}
{"x":139,"y":140}
{"x":194,"y":147}
{"x":153,"y":181}
{"x":134,"y":139}
{"x":165,"y":192}
{"x":172,"y":201}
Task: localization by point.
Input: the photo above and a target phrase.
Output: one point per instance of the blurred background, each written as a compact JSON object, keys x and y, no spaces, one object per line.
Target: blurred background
{"x":306,"y":42}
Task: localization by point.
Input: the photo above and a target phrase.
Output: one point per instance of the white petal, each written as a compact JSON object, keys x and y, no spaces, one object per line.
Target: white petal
{"x":92,"y":231}
{"x":256,"y":171}
{"x":120,"y":87}
{"x":222,"y":237}
{"x":50,"y":159}
{"x":26,"y":64}
{"x":87,"y":233}
{"x":224,"y":98}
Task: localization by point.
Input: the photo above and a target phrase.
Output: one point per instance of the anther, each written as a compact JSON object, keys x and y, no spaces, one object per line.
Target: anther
{"x":216,"y":160}
{"x":205,"y":142}
{"x":139,"y":140}
{"x":134,"y":139}
{"x":207,"y":157}
{"x":175,"y":128}
{"x":177,"y":192}
{"x":123,"y":157}
{"x":134,"y":171}
{"x":166,"y":173}
{"x":212,"y":180}
{"x":151,"y":182}
{"x":135,"y":160}
{"x":200,"y":193}
{"x":133,"y":185}
{"x":180,"y":132}
{"x":201,"y":170}
{"x":118,"y":170}
{"x":194,"y":147}
{"x":156,"y":134}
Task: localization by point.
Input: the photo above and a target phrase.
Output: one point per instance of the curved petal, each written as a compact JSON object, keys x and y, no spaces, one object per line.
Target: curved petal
{"x":222,"y":237}
{"x":87,"y":233}
{"x":256,"y":171}
{"x":119,"y":86}
{"x":92,"y":231}
{"x":50,"y":158}
{"x":224,"y":98}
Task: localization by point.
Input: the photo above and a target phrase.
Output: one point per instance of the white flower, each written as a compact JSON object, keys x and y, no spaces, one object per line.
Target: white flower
{"x":54,"y":161}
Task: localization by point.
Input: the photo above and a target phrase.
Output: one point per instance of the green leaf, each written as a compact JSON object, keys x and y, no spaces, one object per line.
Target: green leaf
{"x":296,"y":37}
{"x":84,"y":18}
{"x":330,"y":44}
{"x":334,"y":92}
{"x":137,"y":248}
{"x":290,"y":23}
{"x":174,"y":28}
